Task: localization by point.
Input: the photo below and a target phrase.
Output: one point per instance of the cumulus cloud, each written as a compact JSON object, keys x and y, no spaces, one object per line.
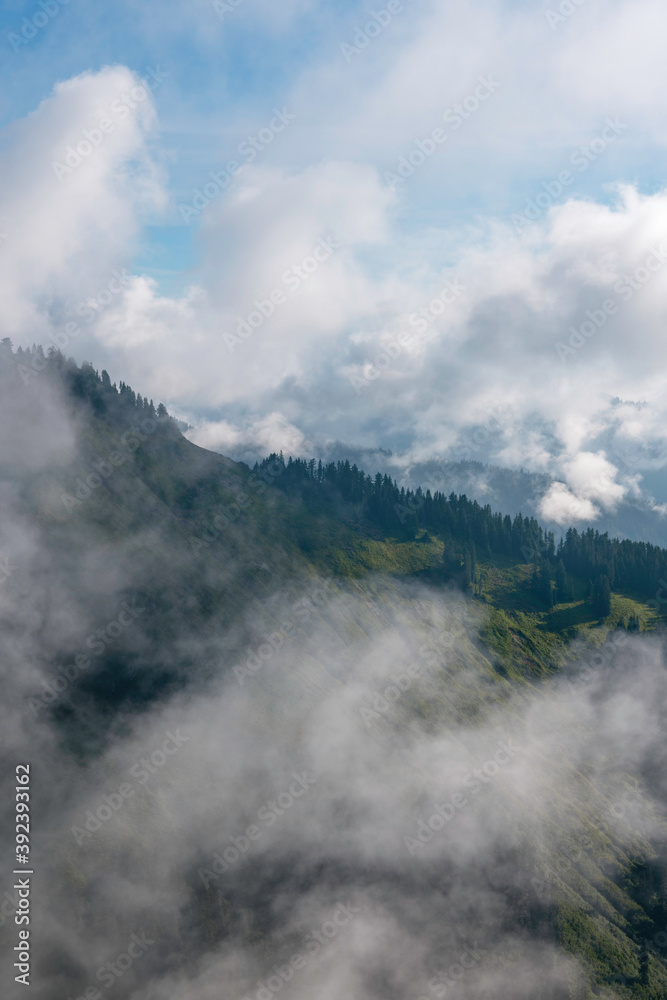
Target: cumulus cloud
{"x":593,"y":476}
{"x":561,"y":505}
{"x":74,"y":195}
{"x":558,"y":317}
{"x":258,"y":439}
{"x":495,"y":347}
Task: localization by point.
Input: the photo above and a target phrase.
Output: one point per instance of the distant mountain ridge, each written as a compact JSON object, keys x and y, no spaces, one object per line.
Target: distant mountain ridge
{"x":507,"y":489}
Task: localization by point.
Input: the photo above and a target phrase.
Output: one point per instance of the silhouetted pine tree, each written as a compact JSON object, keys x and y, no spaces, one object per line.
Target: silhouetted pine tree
{"x":602,"y":596}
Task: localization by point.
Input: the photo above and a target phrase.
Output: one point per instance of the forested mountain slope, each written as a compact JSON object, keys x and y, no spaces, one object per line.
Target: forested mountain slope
{"x":399,"y":715}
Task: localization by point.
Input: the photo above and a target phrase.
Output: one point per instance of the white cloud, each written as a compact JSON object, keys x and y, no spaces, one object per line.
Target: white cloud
{"x":593,"y":477}
{"x":297,"y":237}
{"x":73,"y":195}
{"x":270,"y":433}
{"x":496,"y":346}
{"x":563,"y":507}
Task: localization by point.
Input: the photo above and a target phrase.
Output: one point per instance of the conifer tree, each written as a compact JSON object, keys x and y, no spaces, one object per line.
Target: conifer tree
{"x":602,"y":597}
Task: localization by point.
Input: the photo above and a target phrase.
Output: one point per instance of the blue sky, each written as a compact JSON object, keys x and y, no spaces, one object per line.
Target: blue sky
{"x":365,"y":88}
{"x":227,"y":70}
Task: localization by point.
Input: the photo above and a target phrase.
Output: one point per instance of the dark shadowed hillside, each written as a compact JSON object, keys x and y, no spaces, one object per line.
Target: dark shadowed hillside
{"x":300,"y":732}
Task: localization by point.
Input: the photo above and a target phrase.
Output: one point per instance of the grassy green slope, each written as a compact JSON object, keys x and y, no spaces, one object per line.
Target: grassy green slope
{"x":159,"y":509}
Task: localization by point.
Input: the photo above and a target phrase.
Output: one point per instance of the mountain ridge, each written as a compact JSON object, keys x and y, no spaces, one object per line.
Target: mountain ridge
{"x":284,"y":606}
